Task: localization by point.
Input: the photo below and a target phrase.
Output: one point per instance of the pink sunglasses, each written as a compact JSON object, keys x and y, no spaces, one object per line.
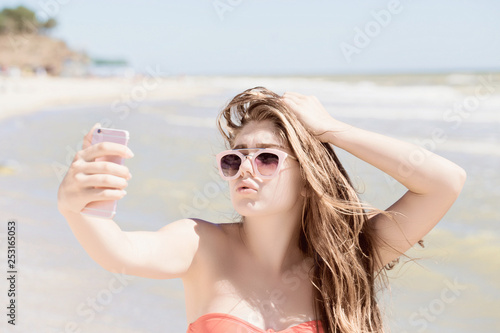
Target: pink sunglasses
{"x":266,"y":162}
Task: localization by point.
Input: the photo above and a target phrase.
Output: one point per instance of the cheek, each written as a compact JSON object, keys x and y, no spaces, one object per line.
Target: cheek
{"x":278,"y":194}
{"x":286,"y":188}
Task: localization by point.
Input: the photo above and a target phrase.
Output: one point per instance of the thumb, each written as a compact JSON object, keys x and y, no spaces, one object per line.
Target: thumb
{"x":87,"y":139}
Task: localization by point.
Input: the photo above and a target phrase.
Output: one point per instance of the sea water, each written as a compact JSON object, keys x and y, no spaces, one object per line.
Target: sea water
{"x":453,"y":286}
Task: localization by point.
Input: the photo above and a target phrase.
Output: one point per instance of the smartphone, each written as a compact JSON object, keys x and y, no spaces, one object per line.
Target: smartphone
{"x":106,"y":209}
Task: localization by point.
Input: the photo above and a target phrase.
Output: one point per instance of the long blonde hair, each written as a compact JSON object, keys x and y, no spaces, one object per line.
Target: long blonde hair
{"x":334,"y":232}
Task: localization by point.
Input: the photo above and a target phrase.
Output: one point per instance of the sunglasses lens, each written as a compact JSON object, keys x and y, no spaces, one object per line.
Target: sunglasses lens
{"x":230,"y":164}
{"x":267,"y":163}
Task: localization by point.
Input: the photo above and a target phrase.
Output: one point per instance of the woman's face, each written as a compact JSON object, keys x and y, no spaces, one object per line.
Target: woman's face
{"x":254,"y":196}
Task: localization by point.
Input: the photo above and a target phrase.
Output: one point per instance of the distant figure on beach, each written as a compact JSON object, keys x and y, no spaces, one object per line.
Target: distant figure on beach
{"x":306,"y":253}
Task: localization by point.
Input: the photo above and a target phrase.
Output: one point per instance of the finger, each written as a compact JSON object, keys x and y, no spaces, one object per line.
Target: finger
{"x":104,"y":181}
{"x":104,"y":167}
{"x":99,"y":194}
{"x":294,"y":95}
{"x":106,"y":149}
{"x":291,"y":102}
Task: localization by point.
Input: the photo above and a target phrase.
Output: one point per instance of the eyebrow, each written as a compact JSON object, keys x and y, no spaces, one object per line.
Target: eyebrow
{"x":260,"y":145}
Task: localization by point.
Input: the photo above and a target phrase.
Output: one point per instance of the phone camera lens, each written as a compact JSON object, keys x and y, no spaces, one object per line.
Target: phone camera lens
{"x":99,"y":130}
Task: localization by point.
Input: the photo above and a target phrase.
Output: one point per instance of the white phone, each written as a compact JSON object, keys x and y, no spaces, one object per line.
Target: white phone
{"x":106,"y":209}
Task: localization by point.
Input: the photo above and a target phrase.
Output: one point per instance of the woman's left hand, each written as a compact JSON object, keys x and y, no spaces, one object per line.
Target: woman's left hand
{"x":312,"y":114}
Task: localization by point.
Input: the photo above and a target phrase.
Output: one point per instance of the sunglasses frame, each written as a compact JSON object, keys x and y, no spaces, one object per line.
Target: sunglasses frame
{"x":281,"y":158}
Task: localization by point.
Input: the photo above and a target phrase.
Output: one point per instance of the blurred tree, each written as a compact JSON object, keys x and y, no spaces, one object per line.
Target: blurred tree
{"x":22,"y":20}
{"x":48,"y":25}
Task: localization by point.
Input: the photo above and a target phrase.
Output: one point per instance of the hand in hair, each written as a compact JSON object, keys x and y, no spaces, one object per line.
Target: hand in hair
{"x":313,"y":115}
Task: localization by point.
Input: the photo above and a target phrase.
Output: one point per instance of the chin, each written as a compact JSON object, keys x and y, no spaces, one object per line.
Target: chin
{"x":245,"y":207}
{"x":249,"y":207}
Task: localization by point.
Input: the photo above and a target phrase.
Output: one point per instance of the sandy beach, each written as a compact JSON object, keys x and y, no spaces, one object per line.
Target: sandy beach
{"x":23,"y":95}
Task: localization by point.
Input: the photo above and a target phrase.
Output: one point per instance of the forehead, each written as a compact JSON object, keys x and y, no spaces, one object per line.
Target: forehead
{"x":258,"y":134}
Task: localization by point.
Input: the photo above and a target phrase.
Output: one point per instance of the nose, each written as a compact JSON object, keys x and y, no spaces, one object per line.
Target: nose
{"x":247,"y":166}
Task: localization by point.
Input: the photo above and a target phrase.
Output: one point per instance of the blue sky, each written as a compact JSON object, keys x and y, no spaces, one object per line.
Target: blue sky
{"x":282,"y":37}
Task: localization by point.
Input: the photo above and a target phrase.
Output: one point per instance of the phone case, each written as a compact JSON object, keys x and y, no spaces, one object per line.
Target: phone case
{"x":106,"y":209}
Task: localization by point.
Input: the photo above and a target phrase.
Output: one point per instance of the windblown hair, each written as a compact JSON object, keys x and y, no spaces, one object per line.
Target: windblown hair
{"x":334,"y":232}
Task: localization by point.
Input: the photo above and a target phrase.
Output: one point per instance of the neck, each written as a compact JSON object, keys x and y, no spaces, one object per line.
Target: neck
{"x":273,"y":240}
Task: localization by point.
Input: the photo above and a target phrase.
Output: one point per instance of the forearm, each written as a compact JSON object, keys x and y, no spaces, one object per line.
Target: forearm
{"x":419,"y":170}
{"x":433,"y":182}
{"x":102,"y":239}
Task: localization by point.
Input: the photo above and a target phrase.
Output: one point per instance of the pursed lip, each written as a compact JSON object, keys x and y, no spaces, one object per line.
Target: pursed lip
{"x":245,"y":184}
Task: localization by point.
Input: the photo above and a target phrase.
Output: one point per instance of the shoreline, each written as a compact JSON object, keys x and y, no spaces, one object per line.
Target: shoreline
{"x":22,"y":96}
{"x":25,"y":95}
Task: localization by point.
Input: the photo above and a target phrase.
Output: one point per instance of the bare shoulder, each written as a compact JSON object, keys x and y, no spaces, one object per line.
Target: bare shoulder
{"x":194,"y":233}
{"x":204,"y":242}
{"x":175,"y":250}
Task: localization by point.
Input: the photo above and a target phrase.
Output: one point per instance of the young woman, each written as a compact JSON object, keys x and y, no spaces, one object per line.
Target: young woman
{"x":306,"y":253}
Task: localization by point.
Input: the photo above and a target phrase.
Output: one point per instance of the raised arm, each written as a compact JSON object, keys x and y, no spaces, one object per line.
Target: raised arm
{"x":166,"y":253}
{"x":433,"y":182}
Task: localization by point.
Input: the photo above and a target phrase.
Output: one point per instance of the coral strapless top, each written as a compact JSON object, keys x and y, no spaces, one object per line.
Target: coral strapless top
{"x":225,"y":323}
